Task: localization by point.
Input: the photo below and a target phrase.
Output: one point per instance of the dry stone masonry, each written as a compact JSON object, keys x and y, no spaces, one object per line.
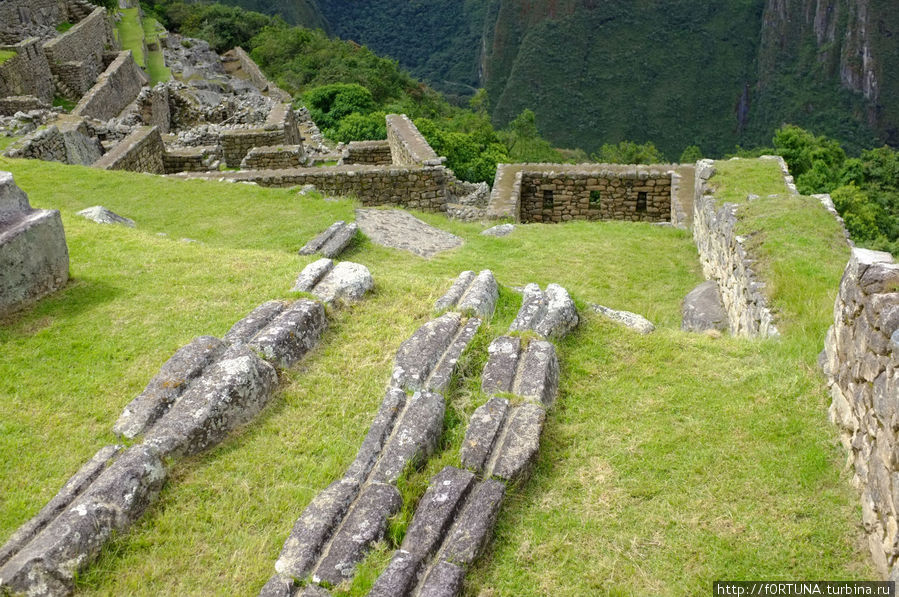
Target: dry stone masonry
{"x":200,"y":395}
{"x":726,"y":260}
{"x":369,"y":153}
{"x":34,"y":257}
{"x":408,"y":146}
{"x":340,"y":525}
{"x":117,"y":87}
{"x":861,"y":364}
{"x":141,"y":151}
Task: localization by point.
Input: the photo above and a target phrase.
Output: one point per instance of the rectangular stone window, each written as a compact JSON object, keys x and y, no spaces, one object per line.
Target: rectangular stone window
{"x":641,"y":201}
{"x":547,"y":199}
{"x":595,"y":199}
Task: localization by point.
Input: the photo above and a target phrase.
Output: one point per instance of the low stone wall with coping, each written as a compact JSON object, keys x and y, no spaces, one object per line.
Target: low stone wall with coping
{"x":861,"y":364}
{"x":371,"y":153}
{"x":191,"y":159}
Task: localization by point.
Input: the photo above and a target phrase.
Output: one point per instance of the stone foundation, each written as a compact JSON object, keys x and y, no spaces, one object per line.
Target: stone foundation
{"x":861,"y":363}
{"x":280,"y":129}
{"x":191,"y":159}
{"x":34,"y":258}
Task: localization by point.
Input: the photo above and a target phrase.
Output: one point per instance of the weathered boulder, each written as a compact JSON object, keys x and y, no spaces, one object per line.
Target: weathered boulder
{"x":312,"y":274}
{"x":101,"y":215}
{"x":636,"y":322}
{"x":291,"y":334}
{"x":34,"y":258}
{"x":500,"y":230}
{"x":48,"y":563}
{"x":168,"y":385}
{"x":244,"y":330}
{"x":471,"y":295}
{"x":551,"y":314}
{"x":332,"y":241}
{"x":347,"y":282}
{"x":702,"y":309}
{"x":228,"y":394}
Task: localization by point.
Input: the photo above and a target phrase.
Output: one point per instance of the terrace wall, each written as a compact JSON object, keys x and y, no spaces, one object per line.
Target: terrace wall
{"x":861,"y":363}
{"x":114,"y":90}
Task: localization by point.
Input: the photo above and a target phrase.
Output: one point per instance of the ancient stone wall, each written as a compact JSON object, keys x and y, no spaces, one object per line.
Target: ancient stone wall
{"x":679,"y":218}
{"x":373,"y":153}
{"x":117,"y":87}
{"x":191,"y":159}
{"x":273,"y":157}
{"x":44,"y":144}
{"x":26,"y":73}
{"x":280,"y":129}
{"x":726,"y":260}
{"x":76,"y":56}
{"x":20,"y":19}
{"x":638,"y":196}
{"x":415,"y":188}
{"x":34,"y":258}
{"x":141,"y":151}
{"x":154,"y":107}
{"x":21,"y":103}
{"x":861,"y":363}
{"x":408,"y":146}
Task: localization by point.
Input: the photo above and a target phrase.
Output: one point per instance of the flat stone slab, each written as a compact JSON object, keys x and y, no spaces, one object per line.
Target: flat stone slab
{"x":634,"y":321}
{"x":551,"y":314}
{"x":399,"y":229}
{"x":500,"y":230}
{"x":531,"y":372}
{"x":364,"y":525}
{"x":427,"y":358}
{"x":101,"y":215}
{"x":228,"y":394}
{"x":48,"y":563}
{"x":332,"y":241}
{"x":703,"y":310}
{"x":168,"y":385}
{"x":471,"y":294}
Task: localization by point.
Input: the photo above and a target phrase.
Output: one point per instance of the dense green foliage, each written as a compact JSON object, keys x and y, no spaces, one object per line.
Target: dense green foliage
{"x":865,"y":190}
{"x":628,"y":152}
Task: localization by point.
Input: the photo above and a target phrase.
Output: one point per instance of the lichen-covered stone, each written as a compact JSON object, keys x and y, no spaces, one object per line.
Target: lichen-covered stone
{"x":518,"y":446}
{"x":482,"y":432}
{"x":502,"y":365}
{"x":530,"y":373}
{"x":414,"y":437}
{"x":419,"y":355}
{"x":244,"y":330}
{"x":314,"y":246}
{"x":228,"y":394}
{"x":312,"y":274}
{"x":168,"y":385}
{"x":436,"y":511}
{"x":634,"y":321}
{"x":278,"y":586}
{"x":442,"y":374}
{"x":293,"y":333}
{"x":474,"y":526}
{"x":400,"y":576}
{"x":347,"y":282}
{"x":314,"y":528}
{"x":454,"y":294}
{"x":702,"y":309}
{"x":340,"y":240}
{"x":471,"y":295}
{"x":48,"y":563}
{"x":551,"y":314}
{"x":500,"y":230}
{"x":398,"y":229}
{"x":444,"y":580}
{"x":364,"y":525}
{"x":385,"y":420}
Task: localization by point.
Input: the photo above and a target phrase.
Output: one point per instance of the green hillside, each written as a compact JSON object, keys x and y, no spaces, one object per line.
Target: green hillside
{"x":669,"y":459}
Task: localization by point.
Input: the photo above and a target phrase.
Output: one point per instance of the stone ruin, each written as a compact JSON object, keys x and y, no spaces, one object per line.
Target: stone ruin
{"x":34,"y":258}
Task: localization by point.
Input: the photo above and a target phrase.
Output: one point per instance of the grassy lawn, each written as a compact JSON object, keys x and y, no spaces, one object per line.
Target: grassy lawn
{"x":6,"y":55}
{"x":155,"y":59}
{"x":670,"y":460}
{"x":131,"y":34}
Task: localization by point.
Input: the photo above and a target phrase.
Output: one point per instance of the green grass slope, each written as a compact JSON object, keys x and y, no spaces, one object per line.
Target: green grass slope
{"x":670,"y":460}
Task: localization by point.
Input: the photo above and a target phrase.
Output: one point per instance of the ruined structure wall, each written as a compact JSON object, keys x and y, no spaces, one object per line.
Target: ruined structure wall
{"x":372,"y":153}
{"x":861,"y":363}
{"x":141,"y":151}
{"x":415,"y":188}
{"x":26,"y":73}
{"x":408,"y":146}
{"x":76,"y":56}
{"x":20,"y":19}
{"x":44,"y":144}
{"x":564,"y":196}
{"x":726,"y":260}
{"x":280,"y":129}
{"x":115,"y":89}
{"x":194,"y":159}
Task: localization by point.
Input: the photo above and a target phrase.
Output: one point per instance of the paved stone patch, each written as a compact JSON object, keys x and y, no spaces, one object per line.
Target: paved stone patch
{"x":101,"y":215}
{"x":399,"y":229}
{"x":636,"y":322}
{"x":332,"y":241}
{"x":471,"y":294}
{"x":702,"y":309}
